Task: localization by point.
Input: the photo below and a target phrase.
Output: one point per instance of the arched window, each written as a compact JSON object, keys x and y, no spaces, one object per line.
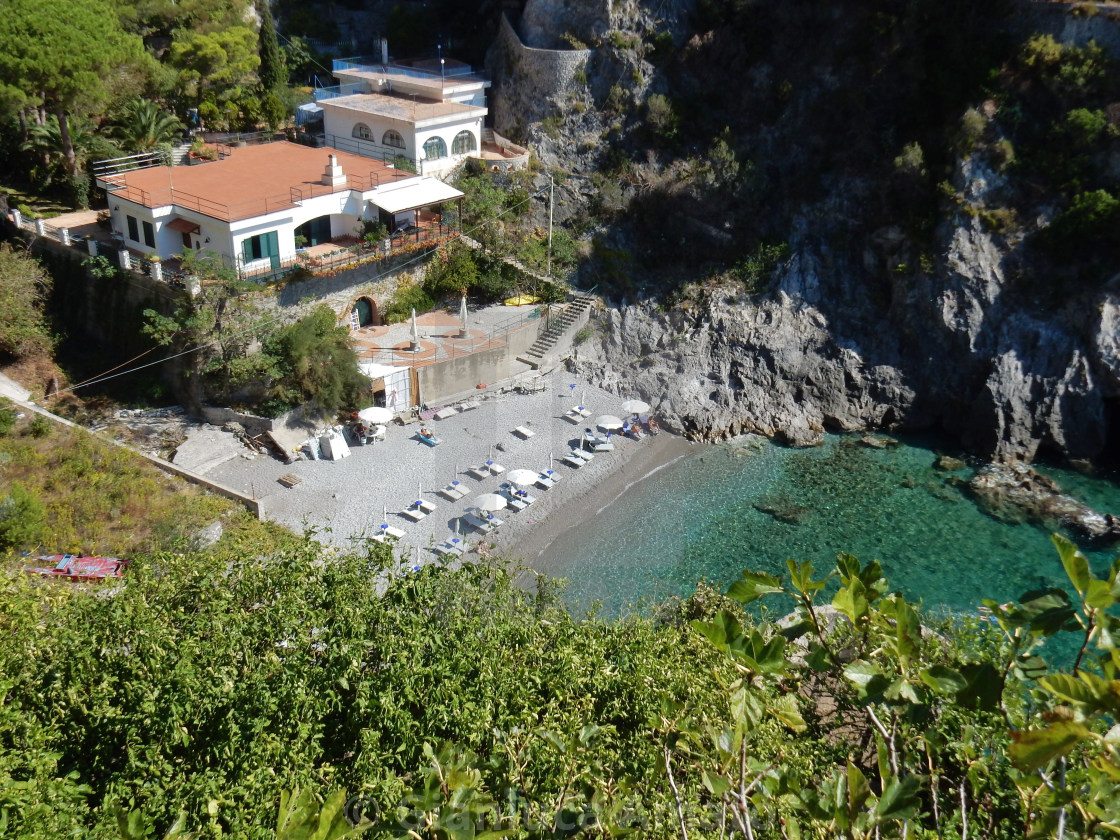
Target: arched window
{"x":393,"y":138}
{"x":362,"y":132}
{"x":434,"y":148}
{"x":463,"y":143}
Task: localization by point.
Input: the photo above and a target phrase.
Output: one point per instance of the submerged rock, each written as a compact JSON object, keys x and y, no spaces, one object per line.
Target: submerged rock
{"x":784,"y":511}
{"x":1017,"y":493}
{"x":947,"y":463}
{"x":878,"y":442}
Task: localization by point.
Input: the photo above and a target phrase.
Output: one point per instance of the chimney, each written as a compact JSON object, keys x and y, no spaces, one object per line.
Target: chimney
{"x":384,"y":50}
{"x":333,"y":175}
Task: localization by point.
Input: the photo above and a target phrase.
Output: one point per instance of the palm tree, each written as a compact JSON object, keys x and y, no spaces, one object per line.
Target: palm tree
{"x":44,"y":142}
{"x":142,"y":127}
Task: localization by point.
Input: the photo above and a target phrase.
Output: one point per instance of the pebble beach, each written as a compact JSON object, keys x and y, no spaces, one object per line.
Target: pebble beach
{"x":347,"y":501}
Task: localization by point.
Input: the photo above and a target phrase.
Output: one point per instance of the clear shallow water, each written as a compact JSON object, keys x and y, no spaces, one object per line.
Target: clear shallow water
{"x":699,"y":518}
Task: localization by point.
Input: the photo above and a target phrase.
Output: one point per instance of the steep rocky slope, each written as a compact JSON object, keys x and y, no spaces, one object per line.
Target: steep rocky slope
{"x":916,"y":291}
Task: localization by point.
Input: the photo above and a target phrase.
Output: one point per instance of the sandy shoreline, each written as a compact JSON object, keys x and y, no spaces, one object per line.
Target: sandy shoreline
{"x":585,"y":493}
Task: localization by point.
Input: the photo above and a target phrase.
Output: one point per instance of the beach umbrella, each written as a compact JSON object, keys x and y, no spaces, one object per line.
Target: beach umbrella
{"x":635,"y":407}
{"x":375,"y":414}
{"x":489,"y":502}
{"x":522,"y":477}
{"x":608,"y":421}
{"x":463,"y":315}
{"x":415,"y":336}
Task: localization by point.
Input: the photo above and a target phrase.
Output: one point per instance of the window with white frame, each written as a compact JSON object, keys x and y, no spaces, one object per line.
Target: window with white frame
{"x":362,"y":132}
{"x":393,"y":138}
{"x":434,"y":148}
{"x":463,"y":143}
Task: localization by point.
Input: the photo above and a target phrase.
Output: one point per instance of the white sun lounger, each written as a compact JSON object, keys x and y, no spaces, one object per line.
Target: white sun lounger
{"x":583,"y":454}
{"x":480,"y":524}
{"x":455,"y":490}
{"x":577,"y":415}
{"x":425,"y":505}
{"x":387,"y":532}
{"x":546,"y":482}
{"x":480,"y":472}
{"x":455,"y":546}
{"x":414,"y":514}
{"x":494,"y":467}
{"x":514,"y":503}
{"x":523,"y":432}
{"x":573,"y":461}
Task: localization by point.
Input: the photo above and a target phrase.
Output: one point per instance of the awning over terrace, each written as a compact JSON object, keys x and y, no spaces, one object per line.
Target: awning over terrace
{"x":184,"y":225}
{"x":414,"y":195}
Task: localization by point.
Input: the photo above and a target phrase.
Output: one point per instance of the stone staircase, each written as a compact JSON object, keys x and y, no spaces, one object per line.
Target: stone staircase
{"x":556,"y":339}
{"x":179,"y":152}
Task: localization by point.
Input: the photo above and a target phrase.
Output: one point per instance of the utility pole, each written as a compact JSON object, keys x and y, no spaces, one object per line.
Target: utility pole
{"x":550,"y":188}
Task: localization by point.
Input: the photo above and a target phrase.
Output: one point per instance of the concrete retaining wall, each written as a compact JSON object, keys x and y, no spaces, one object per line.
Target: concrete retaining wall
{"x":450,"y":377}
{"x":529,"y":78}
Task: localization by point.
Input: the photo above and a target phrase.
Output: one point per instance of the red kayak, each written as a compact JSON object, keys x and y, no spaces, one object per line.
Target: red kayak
{"x":76,"y":567}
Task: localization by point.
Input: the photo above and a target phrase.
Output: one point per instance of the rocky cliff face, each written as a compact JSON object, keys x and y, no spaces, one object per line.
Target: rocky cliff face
{"x":861,"y":327}
{"x":956,"y":347}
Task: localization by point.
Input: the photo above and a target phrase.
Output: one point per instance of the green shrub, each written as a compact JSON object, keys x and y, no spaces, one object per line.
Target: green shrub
{"x":404,"y":301}
{"x":756,"y":271}
{"x":1091,"y":220}
{"x":551,"y":126}
{"x":582,"y":334}
{"x":21,"y":519}
{"x":40,"y":427}
{"x":7,"y":420}
{"x":661,"y":118}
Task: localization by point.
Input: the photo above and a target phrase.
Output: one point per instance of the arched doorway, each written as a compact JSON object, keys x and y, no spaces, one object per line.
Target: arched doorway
{"x":368,"y":315}
{"x":316,"y":231}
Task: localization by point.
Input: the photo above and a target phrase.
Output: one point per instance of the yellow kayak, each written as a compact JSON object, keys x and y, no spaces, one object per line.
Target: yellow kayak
{"x":521,"y":300}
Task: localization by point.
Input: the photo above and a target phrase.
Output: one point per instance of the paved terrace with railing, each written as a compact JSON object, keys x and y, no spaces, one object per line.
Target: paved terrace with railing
{"x":441,"y":337}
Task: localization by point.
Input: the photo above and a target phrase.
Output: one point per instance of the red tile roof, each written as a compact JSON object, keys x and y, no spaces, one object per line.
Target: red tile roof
{"x":251,"y":181}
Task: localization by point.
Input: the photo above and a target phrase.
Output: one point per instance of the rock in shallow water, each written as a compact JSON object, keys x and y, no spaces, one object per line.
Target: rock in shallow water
{"x":1017,"y":493}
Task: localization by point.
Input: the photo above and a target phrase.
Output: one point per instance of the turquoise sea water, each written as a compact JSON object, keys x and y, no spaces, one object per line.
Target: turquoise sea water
{"x":699,"y":518}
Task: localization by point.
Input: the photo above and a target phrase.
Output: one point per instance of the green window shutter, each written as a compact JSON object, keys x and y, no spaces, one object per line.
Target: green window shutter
{"x":247,"y":249}
{"x":270,"y":247}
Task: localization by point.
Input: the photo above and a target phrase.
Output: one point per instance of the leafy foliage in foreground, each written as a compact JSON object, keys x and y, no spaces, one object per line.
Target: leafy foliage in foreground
{"x":455,"y":706}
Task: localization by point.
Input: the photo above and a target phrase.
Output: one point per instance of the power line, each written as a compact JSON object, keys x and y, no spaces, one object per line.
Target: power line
{"x":268,"y":321}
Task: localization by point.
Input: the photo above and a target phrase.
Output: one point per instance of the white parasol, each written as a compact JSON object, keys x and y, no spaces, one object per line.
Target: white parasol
{"x":490,"y":502}
{"x":608,"y":421}
{"x":463,"y":316}
{"x":522,"y":478}
{"x":635,"y":407}
{"x":375,"y":414}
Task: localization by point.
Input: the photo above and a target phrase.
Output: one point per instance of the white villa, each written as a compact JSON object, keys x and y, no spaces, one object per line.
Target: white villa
{"x":428,"y":113}
{"x":250,"y":205}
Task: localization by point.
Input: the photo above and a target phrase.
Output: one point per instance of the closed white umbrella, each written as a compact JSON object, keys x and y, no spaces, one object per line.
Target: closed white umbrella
{"x":608,"y":421}
{"x":415,"y":337}
{"x":522,"y":478}
{"x":463,"y":316}
{"x":490,"y":502}
{"x":635,"y":407}
{"x":375,"y":414}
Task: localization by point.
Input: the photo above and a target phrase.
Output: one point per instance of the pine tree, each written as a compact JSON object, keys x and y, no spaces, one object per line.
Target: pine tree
{"x":272,"y":71}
